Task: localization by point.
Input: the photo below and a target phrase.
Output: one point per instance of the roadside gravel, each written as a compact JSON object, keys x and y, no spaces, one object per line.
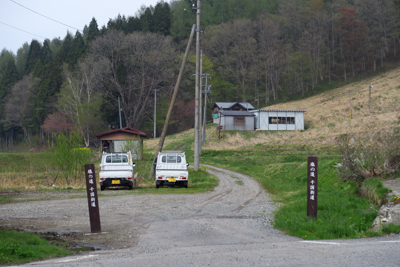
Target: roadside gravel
{"x":238,"y":210}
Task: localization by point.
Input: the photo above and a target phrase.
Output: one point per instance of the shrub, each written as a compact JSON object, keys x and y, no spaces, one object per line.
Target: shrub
{"x":68,"y":157}
{"x":369,"y":156}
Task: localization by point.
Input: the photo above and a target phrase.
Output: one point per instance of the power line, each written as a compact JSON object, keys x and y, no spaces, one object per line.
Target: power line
{"x":44,"y":15}
{"x":22,"y":30}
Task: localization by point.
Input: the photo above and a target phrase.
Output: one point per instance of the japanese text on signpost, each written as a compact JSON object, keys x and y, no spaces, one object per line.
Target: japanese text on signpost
{"x":312,"y":187}
{"x":93,"y":202}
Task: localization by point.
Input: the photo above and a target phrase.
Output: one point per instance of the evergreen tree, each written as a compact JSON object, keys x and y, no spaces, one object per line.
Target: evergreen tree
{"x":9,"y":78}
{"x":45,"y":51}
{"x":49,"y":84}
{"x":147,"y":21}
{"x":133,"y":25}
{"x":162,"y":18}
{"x":55,"y":46}
{"x":33,"y":55}
{"x":77,"y":49}
{"x":66,"y":48}
{"x":22,"y":56}
{"x":93,"y":31}
{"x":5,"y":57}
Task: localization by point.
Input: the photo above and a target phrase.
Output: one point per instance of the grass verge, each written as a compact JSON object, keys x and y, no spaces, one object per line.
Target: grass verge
{"x":283,"y":173}
{"x":17,"y":248}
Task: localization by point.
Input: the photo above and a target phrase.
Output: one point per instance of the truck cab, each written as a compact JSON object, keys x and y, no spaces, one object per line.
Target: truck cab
{"x":171,"y":169}
{"x":116,"y":170}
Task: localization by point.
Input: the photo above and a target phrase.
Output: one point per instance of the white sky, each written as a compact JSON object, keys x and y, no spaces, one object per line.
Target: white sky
{"x":75,"y":13}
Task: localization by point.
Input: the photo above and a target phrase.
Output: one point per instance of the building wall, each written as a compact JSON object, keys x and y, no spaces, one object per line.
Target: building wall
{"x":229,"y":123}
{"x":279,"y":120}
{"x":135,"y":146}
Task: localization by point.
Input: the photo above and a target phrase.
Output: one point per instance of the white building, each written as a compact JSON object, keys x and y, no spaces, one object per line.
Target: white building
{"x":237,"y":120}
{"x":285,"y":120}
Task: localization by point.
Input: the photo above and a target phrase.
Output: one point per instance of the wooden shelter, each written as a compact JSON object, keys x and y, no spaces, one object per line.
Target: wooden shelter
{"x":122,"y":140}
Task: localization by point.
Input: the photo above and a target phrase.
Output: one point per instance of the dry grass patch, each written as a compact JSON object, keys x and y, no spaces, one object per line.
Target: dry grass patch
{"x":327,"y":116}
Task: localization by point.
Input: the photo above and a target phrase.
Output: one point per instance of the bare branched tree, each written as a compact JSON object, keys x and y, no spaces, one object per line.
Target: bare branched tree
{"x":79,"y":98}
{"x":16,"y":105}
{"x":130,"y":67}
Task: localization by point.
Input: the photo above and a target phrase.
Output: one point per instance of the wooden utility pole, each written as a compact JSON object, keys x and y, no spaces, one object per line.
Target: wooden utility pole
{"x":155,"y":111}
{"x":369,"y":100}
{"x":200,"y":99}
{"x":206,"y":91}
{"x":350,"y":106}
{"x":171,"y":105}
{"x":197,"y":97}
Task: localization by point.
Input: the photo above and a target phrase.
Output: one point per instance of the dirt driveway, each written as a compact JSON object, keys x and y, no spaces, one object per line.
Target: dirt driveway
{"x":237,"y":209}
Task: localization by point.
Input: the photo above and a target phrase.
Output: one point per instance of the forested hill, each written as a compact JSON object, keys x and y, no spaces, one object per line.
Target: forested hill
{"x":261,"y":51}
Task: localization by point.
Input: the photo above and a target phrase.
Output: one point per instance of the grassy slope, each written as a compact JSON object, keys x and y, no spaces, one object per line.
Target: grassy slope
{"x":277,"y":158}
{"x":327,"y":116}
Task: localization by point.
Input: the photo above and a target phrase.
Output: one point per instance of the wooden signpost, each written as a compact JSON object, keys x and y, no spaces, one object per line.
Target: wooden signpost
{"x":93,"y":201}
{"x":312,"y":187}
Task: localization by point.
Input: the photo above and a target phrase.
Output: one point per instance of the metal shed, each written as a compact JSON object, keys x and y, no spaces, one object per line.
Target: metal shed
{"x":120,"y":139}
{"x":285,"y":120}
{"x":220,"y":106}
{"x":237,"y":120}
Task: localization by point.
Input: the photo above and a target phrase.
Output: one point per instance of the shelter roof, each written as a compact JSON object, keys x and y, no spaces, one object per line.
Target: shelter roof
{"x":126,"y":130}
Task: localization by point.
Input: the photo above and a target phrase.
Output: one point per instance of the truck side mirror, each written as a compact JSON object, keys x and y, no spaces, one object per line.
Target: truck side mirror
{"x":187,"y":163}
{"x":133,"y":164}
{"x":100,"y":165}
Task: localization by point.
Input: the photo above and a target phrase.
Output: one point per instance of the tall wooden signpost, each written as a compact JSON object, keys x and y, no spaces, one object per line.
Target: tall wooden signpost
{"x":312,"y":187}
{"x":93,"y":201}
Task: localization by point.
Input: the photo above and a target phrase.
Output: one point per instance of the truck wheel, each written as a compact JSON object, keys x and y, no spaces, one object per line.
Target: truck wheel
{"x":102,"y":187}
{"x":185,"y":184}
{"x":157,"y":184}
{"x":130,"y":187}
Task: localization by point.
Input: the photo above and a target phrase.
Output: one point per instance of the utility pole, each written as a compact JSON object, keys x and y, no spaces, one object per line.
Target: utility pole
{"x":206,"y":91}
{"x":171,"y":105}
{"x":197,"y":97}
{"x":350,"y":106}
{"x":369,"y":100}
{"x":200,"y":99}
{"x":155,"y":111}
{"x":119,"y":111}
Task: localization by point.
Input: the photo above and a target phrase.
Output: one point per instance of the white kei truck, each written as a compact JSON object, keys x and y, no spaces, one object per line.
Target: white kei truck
{"x":116,"y":170}
{"x":170,"y":168}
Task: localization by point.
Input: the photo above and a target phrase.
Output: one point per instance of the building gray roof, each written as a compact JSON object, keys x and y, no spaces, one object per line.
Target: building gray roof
{"x":227,"y":105}
{"x":236,"y":113}
{"x":276,"y":110}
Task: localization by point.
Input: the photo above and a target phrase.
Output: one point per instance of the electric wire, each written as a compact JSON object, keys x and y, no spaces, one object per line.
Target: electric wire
{"x":44,"y":16}
{"x":22,"y":30}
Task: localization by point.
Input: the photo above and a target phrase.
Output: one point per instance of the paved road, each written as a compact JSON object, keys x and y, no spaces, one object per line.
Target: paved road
{"x":230,"y":226}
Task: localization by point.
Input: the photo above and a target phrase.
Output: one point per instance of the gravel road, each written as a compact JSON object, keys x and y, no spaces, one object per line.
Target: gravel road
{"x":229,"y":226}
{"x":236,"y":209}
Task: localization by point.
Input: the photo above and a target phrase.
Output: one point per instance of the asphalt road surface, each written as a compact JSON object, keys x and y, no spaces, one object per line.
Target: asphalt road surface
{"x":230,"y":226}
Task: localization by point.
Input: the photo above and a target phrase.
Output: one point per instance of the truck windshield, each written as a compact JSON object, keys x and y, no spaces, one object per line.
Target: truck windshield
{"x":117,"y":159}
{"x":171,"y":159}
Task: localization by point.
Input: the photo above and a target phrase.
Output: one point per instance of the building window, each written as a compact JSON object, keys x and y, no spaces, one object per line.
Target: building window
{"x":281,"y":120}
{"x":290,"y":120}
{"x":239,"y":120}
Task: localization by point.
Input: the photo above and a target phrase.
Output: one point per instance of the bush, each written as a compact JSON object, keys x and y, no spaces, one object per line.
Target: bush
{"x":68,"y":157}
{"x":369,"y":156}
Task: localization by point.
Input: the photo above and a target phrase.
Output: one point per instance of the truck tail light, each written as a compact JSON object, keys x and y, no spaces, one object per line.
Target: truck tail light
{"x":183,"y":177}
{"x":160,"y":177}
{"x":129,"y":178}
{"x":101,"y":179}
